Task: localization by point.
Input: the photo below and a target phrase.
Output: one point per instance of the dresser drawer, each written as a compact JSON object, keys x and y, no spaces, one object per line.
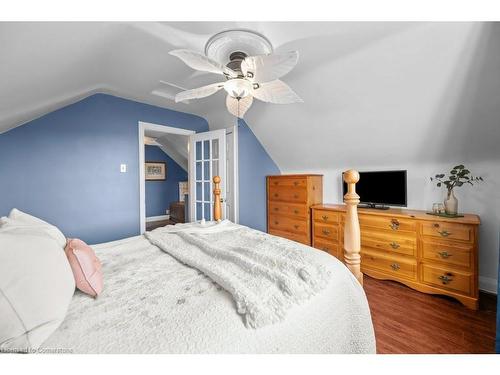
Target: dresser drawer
{"x":289,"y":182}
{"x":450,"y":253}
{"x":447,"y":278}
{"x":327,"y":217}
{"x":388,"y":223}
{"x":287,"y":194}
{"x":302,"y":238}
{"x":285,"y":223}
{"x":326,"y":231}
{"x":294,"y":210}
{"x":391,"y":265}
{"x":328,"y":246}
{"x":453,"y":231}
{"x":389,"y":242}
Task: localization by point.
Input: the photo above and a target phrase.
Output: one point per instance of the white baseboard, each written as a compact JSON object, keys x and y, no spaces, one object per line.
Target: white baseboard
{"x":488,"y":284}
{"x":157,"y":218}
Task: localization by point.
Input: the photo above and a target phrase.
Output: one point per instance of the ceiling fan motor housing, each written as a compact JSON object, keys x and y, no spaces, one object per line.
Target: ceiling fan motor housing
{"x":235,"y":61}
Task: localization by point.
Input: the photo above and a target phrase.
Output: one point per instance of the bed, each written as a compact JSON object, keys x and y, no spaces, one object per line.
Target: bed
{"x":154,"y":304}
{"x":158,"y":302}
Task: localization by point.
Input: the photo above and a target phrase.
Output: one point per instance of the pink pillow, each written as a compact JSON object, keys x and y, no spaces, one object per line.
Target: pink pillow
{"x":85,"y":265}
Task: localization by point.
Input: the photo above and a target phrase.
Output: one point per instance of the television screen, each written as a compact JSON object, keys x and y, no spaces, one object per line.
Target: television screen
{"x":381,"y":188}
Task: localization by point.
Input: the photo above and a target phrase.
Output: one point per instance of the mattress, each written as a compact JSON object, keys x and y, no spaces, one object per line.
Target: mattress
{"x":151,"y":303}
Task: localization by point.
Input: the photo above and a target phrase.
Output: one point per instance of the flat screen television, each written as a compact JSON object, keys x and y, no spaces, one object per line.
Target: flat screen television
{"x":380,"y":189}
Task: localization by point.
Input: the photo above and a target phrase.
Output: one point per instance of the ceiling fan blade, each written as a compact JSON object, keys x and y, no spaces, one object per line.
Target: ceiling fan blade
{"x":198,"y":93}
{"x":198,"y":61}
{"x":267,"y":68}
{"x":277,"y":92}
{"x":163,"y":94}
{"x":238,"y":107}
{"x":166,"y":83}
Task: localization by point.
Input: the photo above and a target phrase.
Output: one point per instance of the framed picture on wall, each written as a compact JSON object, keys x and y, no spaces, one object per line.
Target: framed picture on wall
{"x":156,"y":171}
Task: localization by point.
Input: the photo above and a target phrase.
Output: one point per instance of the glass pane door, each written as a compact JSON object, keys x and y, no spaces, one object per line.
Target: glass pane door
{"x":207,"y":159}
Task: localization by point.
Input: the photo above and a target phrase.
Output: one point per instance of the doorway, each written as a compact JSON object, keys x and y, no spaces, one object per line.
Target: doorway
{"x":179,"y":146}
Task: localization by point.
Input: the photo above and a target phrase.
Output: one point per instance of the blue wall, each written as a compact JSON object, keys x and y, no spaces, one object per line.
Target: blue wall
{"x":254,"y":165}
{"x":65,"y":166}
{"x":159,"y":194}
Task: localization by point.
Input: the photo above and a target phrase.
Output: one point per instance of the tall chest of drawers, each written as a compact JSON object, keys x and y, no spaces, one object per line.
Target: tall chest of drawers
{"x":289,"y":198}
{"x":427,"y":253}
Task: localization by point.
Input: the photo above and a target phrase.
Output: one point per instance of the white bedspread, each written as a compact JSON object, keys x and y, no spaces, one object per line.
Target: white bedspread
{"x":266,"y":275}
{"x":153,"y":304}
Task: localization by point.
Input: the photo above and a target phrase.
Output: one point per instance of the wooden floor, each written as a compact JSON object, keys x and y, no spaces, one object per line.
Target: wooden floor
{"x":407,"y":321}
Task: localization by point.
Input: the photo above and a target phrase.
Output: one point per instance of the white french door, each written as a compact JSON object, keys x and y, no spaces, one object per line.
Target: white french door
{"x":207,"y":158}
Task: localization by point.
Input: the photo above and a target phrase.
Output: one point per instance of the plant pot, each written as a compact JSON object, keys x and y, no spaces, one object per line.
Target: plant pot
{"x":451,"y":204}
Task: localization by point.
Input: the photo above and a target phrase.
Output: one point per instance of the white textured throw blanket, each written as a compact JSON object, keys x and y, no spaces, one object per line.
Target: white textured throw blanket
{"x":266,"y":275}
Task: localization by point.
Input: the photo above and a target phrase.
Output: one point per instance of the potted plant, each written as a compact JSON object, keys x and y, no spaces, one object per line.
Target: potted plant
{"x":458,"y":176}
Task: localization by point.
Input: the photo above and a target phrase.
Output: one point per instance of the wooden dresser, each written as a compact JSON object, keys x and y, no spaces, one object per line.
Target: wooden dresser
{"x":427,"y":253}
{"x":289,"y":198}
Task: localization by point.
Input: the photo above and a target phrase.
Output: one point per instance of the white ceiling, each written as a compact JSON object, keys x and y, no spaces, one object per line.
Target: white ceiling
{"x":372,"y":91}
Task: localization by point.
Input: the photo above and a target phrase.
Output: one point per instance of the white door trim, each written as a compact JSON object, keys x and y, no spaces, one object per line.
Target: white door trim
{"x":233,"y":131}
{"x":143,"y":126}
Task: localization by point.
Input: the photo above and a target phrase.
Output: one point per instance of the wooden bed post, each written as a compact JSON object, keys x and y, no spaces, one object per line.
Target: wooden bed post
{"x":217,"y":205}
{"x":352,"y":235}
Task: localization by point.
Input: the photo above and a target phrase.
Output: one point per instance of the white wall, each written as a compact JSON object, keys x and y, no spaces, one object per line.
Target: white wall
{"x":417,"y":96}
{"x":483,"y":200}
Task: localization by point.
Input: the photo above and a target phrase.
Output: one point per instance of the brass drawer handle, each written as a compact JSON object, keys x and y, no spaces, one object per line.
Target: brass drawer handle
{"x":276,"y":222}
{"x":276,"y":195}
{"x":326,"y":231}
{"x":394,"y":224}
{"x":446,"y":278}
{"x":394,"y":245}
{"x":296,"y":212}
{"x":295,"y":196}
{"x":395,"y":266}
{"x":444,"y":233}
{"x":444,"y":254}
{"x":324,"y":217}
{"x":296,"y":226}
{"x":276,"y":209}
{"x":296,"y":183}
{"x":276,"y":182}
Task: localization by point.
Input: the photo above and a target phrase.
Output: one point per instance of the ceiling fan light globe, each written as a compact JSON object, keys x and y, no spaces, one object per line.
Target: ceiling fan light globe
{"x":238,"y":87}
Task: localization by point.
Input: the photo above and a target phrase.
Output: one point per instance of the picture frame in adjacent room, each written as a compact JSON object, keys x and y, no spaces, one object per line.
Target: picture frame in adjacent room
{"x":155,"y":171}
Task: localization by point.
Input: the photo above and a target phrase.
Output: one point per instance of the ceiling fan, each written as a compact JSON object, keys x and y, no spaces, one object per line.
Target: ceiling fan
{"x":247,"y":77}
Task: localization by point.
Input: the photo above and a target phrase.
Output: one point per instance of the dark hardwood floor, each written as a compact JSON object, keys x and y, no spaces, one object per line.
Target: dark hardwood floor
{"x":407,"y":321}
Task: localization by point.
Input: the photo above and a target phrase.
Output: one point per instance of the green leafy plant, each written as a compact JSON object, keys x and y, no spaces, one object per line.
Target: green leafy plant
{"x":458,"y":176}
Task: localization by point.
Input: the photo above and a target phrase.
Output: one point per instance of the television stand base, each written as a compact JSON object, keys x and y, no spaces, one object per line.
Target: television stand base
{"x":374,"y":206}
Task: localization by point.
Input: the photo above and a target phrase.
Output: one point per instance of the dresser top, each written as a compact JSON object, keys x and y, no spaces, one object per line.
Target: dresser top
{"x":295,"y":175}
{"x":400,"y":212}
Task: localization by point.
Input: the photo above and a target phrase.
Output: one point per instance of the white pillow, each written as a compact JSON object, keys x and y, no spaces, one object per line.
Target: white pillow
{"x":36,"y":287}
{"x":22,"y":223}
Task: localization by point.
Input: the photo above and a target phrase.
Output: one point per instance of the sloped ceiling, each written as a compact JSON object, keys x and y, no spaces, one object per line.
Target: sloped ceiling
{"x":372,"y":91}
